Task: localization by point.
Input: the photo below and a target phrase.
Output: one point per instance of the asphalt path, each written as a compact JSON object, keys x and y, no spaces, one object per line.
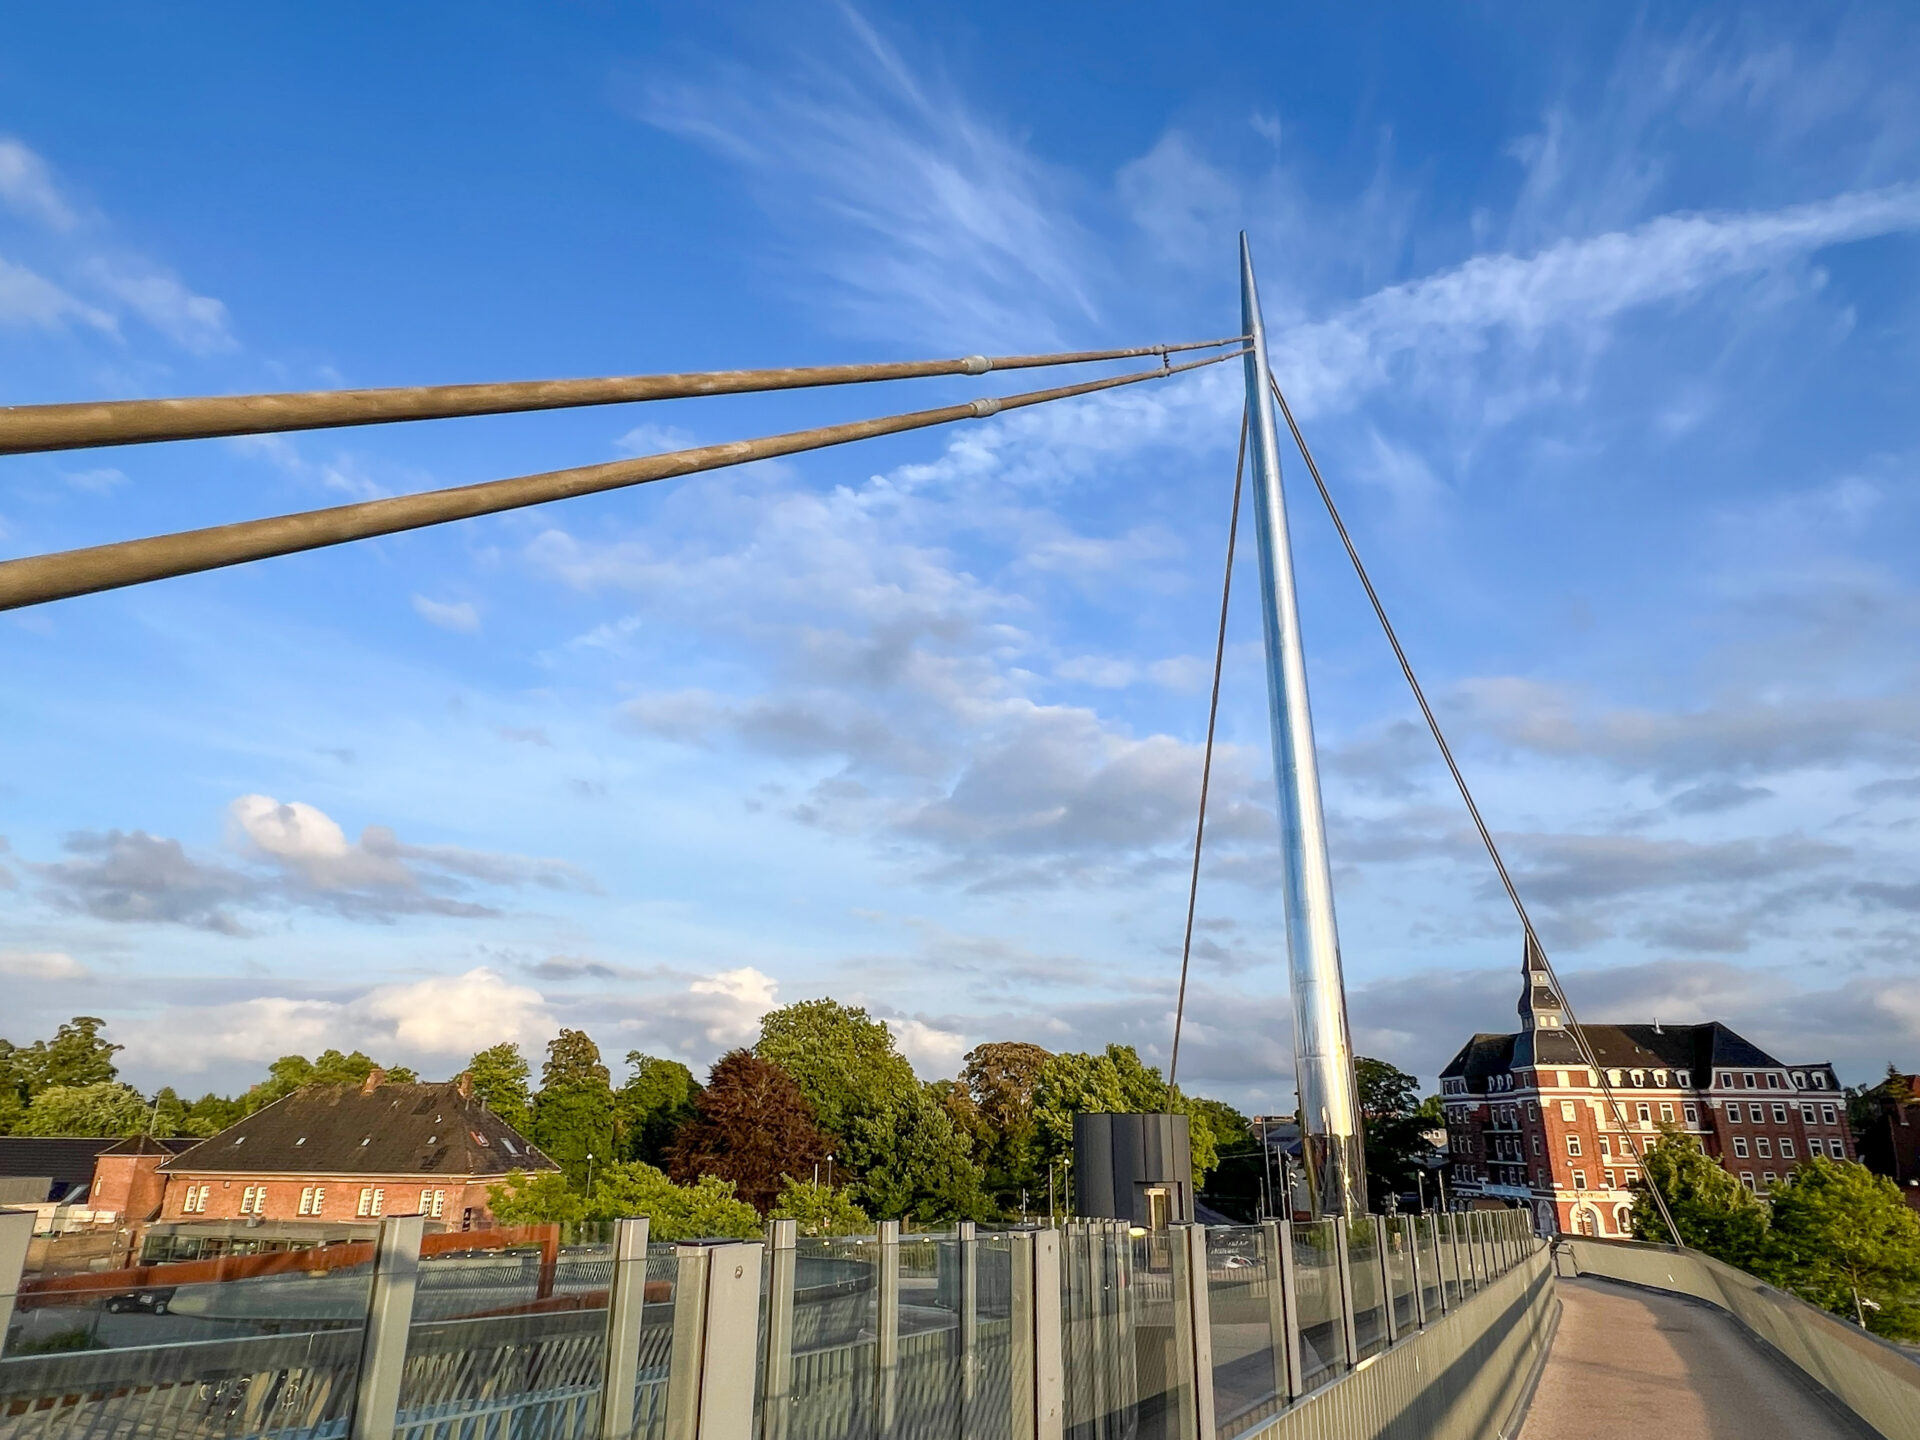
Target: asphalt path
{"x":1632,"y":1362}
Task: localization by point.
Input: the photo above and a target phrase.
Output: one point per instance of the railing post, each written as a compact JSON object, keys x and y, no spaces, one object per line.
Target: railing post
{"x":1093,"y":1322}
{"x":887,"y":1342}
{"x":626,"y":1307}
{"x":1123,"y":1321}
{"x":1283,"y":1305}
{"x":1049,"y":1373}
{"x":777,"y":1375}
{"x":1343,"y":1267}
{"x":967,"y":1256}
{"x":383,"y":1344}
{"x":1410,"y":1232}
{"x":1192,"y":1329}
{"x":16,"y":1234}
{"x":1385,"y":1266}
{"x":716,"y":1324}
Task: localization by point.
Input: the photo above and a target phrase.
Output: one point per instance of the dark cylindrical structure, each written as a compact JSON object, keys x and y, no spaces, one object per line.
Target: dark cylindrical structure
{"x":1137,"y":1168}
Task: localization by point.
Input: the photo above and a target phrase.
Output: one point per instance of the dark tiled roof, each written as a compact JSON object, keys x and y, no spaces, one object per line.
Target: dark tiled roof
{"x":66,"y":1158}
{"x":1701,"y":1049}
{"x":392,"y":1129}
{"x":1480,"y":1057}
{"x":152,"y":1145}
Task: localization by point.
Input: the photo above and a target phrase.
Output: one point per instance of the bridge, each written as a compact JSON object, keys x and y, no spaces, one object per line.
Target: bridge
{"x":1346,"y":1326}
{"x":1446,"y":1327}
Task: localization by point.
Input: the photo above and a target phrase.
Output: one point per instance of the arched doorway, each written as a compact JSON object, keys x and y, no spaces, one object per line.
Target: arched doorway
{"x":1586,"y":1220}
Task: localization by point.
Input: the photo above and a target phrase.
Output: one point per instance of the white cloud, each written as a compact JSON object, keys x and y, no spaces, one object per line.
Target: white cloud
{"x":457,"y":615}
{"x":27,"y":188}
{"x":653,"y":439}
{"x":28,"y":300}
{"x":196,"y":323}
{"x":458,"y":1014}
{"x":95,"y":482}
{"x":41,"y":965}
{"x":934,"y":1053}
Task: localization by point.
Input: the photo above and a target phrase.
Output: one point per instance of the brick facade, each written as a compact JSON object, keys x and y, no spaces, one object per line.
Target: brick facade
{"x":1528,"y":1124}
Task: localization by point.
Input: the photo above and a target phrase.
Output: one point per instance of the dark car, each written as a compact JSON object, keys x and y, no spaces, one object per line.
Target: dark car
{"x":150,"y":1302}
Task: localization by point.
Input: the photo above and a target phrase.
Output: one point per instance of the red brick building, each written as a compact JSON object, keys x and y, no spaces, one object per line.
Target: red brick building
{"x":327,"y":1162}
{"x":1527,"y":1122}
{"x":1890,"y":1145}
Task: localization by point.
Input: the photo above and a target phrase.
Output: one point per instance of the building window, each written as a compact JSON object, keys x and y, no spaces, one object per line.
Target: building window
{"x":1734,"y":1112}
{"x":1666,"y":1112}
{"x":1693,"y":1114}
{"x":1646,"y":1113}
{"x":379,"y":1200}
{"x":1573,"y":1144}
{"x":1746,"y":1178}
{"x":1614,"y":1077}
{"x":1579,"y":1179}
{"x":1606,"y":1145}
{"x":1773,"y":1081}
{"x":1683,"y":1078}
{"x":366,"y":1201}
{"x":439,"y":1203}
{"x":1533,"y":1111}
{"x":1819,"y":1080}
{"x":1639,"y":1077}
{"x":1660,"y":1078}
{"x":1726,"y":1080}
{"x":1740,"y":1146}
{"x":1566,"y":1110}
{"x":1536,"y":1144}
{"x":1779,"y":1114}
{"x":1763,"y":1146}
{"x":1786,"y":1147}
{"x":1826,"y":1114}
{"x":253,"y":1199}
{"x":1799,"y":1080}
{"x":312,"y":1197}
{"x":1807,"y":1114}
{"x":1611,"y":1182}
{"x":1748,"y":1081}
{"x":1767,"y":1181}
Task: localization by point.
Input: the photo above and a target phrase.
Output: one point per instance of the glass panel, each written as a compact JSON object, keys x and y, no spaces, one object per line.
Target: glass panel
{"x":656,"y":1343}
{"x":1428,"y":1232}
{"x":1245,"y":1391}
{"x":1316,"y":1276}
{"x":518,"y":1330}
{"x":990,"y":1395}
{"x":266,"y":1341}
{"x":1400,"y":1236}
{"x":836,"y":1316}
{"x":929,"y":1371}
{"x":1369,"y":1289}
{"x":1164,"y":1397}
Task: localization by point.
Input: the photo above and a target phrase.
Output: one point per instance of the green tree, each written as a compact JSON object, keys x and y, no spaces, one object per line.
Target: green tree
{"x":1840,"y":1232}
{"x":102,"y":1108}
{"x":706,"y":1210}
{"x":573,"y":1113}
{"x":999,"y":1078}
{"x":75,"y":1056}
{"x":752,"y":1126}
{"x":819,"y":1209}
{"x":503,"y":1081}
{"x":1714,"y":1212}
{"x":1867,"y":1103}
{"x":901,"y":1144}
{"x":330,"y":1067}
{"x":1394,"y":1122}
{"x":656,"y":1101}
{"x":211,"y":1114}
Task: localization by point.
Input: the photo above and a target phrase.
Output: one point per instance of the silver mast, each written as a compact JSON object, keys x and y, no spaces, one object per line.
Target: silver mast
{"x":1322,"y":1050}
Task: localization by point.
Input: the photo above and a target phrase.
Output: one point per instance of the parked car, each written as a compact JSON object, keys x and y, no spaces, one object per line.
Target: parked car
{"x":148,"y":1302}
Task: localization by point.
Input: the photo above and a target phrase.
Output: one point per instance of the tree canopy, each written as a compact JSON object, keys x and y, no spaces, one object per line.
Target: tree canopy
{"x":573,"y":1115}
{"x":657,"y":1099}
{"x":502,"y":1080}
{"x":1112,"y":1082}
{"x":704,"y":1210}
{"x":1394,"y":1121}
{"x":1839,"y":1231}
{"x":752,"y":1126}
{"x":103,"y":1108}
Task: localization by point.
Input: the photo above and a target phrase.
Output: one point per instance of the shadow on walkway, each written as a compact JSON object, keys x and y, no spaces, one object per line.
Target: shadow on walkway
{"x":1630,"y":1362}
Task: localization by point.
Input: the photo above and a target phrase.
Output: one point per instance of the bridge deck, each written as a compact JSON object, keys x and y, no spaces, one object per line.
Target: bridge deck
{"x":1629,"y":1362}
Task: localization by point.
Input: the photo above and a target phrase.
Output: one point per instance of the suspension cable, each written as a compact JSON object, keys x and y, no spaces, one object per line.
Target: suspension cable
{"x":29,"y":428}
{"x":1574,"y":1027}
{"x":39,"y":578}
{"x":1206,"y":763}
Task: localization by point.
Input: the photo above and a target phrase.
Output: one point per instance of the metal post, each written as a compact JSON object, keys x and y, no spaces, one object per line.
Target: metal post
{"x":1049,"y":1372}
{"x":1020,"y":1335}
{"x":1323,"y":1049}
{"x":626,"y":1307}
{"x":1093,"y":1321}
{"x":887,"y":1345}
{"x":967,"y":1249}
{"x":1283,"y":1314}
{"x":16,"y":1234}
{"x":1349,"y":1332}
{"x":777,"y":1375}
{"x":1384,"y":1264}
{"x":1123,"y":1325}
{"x":1192,"y":1330}
{"x":383,"y":1344}
{"x":716,"y":1322}
{"x":1412,"y":1234}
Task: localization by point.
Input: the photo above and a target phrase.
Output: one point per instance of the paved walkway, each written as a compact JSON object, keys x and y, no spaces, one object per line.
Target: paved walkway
{"x":1629,"y":1362}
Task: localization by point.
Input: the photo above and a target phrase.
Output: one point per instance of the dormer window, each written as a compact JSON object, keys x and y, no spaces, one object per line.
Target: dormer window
{"x":239,"y":1140}
{"x":1799,"y":1080}
{"x":366,"y":1142}
{"x":1660,"y":1078}
{"x":1683,"y":1078}
{"x":301,"y":1141}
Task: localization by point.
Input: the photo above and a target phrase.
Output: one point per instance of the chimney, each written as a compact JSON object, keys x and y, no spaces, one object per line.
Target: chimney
{"x":464,"y":1084}
{"x":376,"y":1077}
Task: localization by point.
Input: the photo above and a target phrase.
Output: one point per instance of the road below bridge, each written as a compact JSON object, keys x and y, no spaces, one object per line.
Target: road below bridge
{"x":1632,"y":1362}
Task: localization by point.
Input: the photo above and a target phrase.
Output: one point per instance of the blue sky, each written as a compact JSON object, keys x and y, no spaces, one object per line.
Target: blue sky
{"x":1602,"y":325}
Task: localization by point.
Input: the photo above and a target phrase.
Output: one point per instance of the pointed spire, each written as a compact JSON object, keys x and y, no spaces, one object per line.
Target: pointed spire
{"x":1540,"y":1006}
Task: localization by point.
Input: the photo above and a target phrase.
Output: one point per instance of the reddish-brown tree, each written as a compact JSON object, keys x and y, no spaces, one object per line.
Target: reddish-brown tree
{"x":751,"y":1125}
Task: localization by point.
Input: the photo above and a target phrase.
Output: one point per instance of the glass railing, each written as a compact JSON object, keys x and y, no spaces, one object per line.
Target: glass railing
{"x":539,"y":1332}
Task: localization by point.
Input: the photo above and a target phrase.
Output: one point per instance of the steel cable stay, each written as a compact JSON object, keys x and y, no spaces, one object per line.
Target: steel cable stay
{"x":26,"y":429}
{"x":1573,"y":1026}
{"x":36,"y":579}
{"x":1206,"y":763}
